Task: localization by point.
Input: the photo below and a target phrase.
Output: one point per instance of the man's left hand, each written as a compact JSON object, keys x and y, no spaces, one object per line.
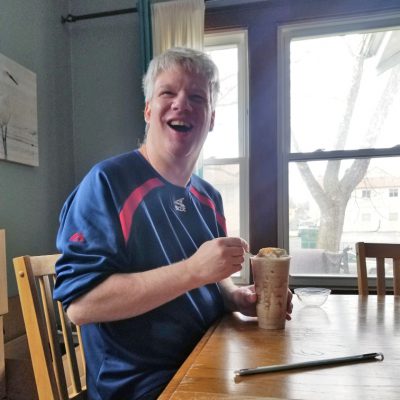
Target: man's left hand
{"x":245,"y":299}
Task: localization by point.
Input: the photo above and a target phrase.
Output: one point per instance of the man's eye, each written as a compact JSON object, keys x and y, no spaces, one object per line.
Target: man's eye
{"x":198,"y":98}
{"x":167,"y":93}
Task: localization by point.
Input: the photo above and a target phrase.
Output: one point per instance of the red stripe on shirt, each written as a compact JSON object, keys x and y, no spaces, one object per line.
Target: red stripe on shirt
{"x":132,"y":203}
{"x":208,"y":202}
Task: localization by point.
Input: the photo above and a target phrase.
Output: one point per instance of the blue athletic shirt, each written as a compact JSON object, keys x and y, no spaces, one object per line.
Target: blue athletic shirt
{"x":124,"y":217}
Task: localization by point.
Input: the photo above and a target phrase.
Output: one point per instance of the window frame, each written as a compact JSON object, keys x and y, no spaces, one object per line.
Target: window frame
{"x":219,"y":39}
{"x":309,"y":29}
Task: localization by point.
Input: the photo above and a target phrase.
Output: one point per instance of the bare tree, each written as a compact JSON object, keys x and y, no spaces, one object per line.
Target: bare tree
{"x":333,"y":193}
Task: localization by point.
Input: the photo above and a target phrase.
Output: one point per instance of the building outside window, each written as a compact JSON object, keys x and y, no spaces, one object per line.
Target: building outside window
{"x":366,"y":194}
{"x":393,"y":216}
{"x":339,"y":96}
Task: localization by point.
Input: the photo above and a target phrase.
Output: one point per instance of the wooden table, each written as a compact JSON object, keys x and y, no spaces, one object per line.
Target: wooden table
{"x":344,"y":325}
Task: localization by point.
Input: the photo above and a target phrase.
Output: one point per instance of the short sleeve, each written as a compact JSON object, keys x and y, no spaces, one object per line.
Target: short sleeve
{"x":89,"y":239}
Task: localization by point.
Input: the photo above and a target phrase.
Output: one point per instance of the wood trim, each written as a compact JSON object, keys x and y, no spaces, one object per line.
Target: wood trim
{"x":3,"y":308}
{"x":3,"y":274}
{"x":2,"y":360}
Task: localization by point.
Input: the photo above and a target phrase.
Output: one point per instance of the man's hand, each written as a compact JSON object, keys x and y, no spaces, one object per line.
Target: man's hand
{"x":289,"y":308}
{"x":216,"y":260}
{"x":244,"y":300}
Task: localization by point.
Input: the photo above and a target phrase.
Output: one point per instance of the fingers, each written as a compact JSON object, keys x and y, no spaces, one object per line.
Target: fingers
{"x":218,"y":259}
{"x":235,"y":242}
{"x":252,"y":288}
{"x":234,"y":247}
{"x":251,"y":297}
{"x":248,"y":293}
{"x":245,"y":300}
{"x":289,"y":305}
{"x":231,"y":248}
{"x":245,"y":245}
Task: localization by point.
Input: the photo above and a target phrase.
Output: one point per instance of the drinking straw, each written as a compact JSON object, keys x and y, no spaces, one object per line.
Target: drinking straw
{"x":306,"y":364}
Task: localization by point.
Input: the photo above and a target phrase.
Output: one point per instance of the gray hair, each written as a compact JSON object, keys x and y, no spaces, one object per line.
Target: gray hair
{"x":191,"y":61}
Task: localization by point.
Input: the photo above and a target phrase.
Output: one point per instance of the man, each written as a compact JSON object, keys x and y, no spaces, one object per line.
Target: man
{"x":145,"y":266}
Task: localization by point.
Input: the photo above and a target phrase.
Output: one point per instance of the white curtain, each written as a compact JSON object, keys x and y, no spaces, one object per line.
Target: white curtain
{"x":177,"y":23}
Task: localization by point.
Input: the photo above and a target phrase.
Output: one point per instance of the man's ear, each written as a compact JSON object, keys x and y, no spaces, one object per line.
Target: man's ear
{"x":212,"y":121}
{"x":147,"y":112}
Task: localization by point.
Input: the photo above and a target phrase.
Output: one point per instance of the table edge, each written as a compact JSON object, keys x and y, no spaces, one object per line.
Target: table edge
{"x":181,"y":373}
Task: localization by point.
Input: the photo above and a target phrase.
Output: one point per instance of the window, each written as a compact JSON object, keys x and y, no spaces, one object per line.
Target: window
{"x":366,"y":217}
{"x":224,"y":160}
{"x":393,"y":192}
{"x":366,"y":194}
{"x":339,"y":96}
{"x":393,"y":216}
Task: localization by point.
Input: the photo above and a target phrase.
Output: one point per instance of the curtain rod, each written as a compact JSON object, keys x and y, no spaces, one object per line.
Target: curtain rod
{"x":74,"y":18}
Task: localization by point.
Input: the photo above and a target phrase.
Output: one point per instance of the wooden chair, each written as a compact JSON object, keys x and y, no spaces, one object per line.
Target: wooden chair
{"x":3,"y":309}
{"x":54,"y":342}
{"x":379,"y":251}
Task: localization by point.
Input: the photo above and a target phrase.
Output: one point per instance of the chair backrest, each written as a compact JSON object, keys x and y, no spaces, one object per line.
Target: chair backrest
{"x":3,"y":274}
{"x":54,"y":342}
{"x":380,"y":252}
{"x":3,"y":308}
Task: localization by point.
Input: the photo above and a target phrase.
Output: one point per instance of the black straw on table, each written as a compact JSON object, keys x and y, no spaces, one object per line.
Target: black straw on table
{"x":307,"y":364}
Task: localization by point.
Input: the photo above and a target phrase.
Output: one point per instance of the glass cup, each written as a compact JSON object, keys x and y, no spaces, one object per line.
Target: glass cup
{"x":271,"y":280}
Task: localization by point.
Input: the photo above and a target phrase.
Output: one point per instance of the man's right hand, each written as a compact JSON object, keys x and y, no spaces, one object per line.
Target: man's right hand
{"x":126,"y":295}
{"x":217,"y":259}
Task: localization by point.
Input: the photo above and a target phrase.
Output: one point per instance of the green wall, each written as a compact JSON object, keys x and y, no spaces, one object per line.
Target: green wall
{"x":30,"y":197}
{"x":90,"y":104}
{"x":106,"y":82}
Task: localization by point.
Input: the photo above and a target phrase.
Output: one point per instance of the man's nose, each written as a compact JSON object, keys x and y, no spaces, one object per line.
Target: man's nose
{"x":182,"y":102}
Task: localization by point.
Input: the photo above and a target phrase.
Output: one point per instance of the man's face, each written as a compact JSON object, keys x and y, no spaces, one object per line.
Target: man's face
{"x":179,"y":113}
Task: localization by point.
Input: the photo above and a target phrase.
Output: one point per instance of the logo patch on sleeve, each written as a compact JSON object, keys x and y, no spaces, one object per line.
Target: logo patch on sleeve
{"x":77,"y":237}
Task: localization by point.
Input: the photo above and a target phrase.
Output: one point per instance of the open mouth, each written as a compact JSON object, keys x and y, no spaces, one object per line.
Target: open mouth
{"x":180,"y":126}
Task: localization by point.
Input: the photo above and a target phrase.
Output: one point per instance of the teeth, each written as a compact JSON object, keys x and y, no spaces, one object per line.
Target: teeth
{"x":179,"y":123}
{"x":180,"y":126}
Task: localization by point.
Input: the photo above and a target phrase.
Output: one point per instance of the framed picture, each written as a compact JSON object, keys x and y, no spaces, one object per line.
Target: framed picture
{"x":18,"y":113}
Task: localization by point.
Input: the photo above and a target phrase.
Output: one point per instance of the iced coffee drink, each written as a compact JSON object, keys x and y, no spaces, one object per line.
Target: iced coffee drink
{"x":271,"y":278}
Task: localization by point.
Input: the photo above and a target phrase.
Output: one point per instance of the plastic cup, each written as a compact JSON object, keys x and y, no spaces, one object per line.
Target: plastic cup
{"x":271,"y":280}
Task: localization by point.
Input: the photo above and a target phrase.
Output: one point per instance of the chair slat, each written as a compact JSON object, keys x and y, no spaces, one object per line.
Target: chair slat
{"x":396,"y":276}
{"x":380,"y":277}
{"x":51,"y":323}
{"x":70,"y":351}
{"x":361,"y":269}
{"x":81,"y":353}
